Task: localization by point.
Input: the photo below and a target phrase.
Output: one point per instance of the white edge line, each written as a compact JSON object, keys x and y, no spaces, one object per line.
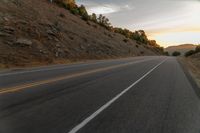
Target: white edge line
{"x":102,"y":108}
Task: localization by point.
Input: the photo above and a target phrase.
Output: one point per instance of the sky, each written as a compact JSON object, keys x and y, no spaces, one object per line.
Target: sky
{"x":169,"y":22}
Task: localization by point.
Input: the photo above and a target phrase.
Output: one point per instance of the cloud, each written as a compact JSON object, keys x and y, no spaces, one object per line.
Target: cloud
{"x":105,"y":9}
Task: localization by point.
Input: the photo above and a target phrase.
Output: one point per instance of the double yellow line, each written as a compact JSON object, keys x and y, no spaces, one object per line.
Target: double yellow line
{"x":30,"y":85}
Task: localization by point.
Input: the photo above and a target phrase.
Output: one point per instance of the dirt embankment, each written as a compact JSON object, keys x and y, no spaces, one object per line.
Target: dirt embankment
{"x":193,"y":65}
{"x":36,"y":32}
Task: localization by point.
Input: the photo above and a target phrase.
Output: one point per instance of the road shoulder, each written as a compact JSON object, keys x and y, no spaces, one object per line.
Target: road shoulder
{"x":192,"y":71}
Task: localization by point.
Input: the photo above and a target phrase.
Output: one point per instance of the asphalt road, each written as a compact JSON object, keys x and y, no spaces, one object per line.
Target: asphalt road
{"x":133,"y":95}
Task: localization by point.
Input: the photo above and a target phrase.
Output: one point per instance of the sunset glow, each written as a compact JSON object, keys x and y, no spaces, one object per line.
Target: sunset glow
{"x":176,"y":38}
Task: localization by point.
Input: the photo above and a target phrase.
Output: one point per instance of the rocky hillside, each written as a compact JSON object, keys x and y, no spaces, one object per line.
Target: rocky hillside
{"x":181,"y":48}
{"x":36,"y":32}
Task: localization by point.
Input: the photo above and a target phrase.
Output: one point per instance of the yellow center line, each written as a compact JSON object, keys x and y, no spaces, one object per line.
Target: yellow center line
{"x":29,"y":85}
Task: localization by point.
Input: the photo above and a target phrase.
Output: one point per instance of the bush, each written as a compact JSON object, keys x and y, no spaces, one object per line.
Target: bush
{"x":125,"y":40}
{"x":61,"y":15}
{"x":93,"y":17}
{"x":82,"y":10}
{"x":75,"y":11}
{"x":67,"y":4}
{"x":197,"y":49}
{"x":166,"y":53}
{"x":176,"y":53}
{"x":189,"y":53}
{"x":85,"y":17}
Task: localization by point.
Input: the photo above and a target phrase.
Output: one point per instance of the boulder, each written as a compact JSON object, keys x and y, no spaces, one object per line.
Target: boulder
{"x":8,"y":29}
{"x":23,"y":42}
{"x":2,"y":34}
{"x":50,"y":32}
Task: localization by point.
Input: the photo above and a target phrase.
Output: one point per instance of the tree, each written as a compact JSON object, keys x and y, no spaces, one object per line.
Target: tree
{"x":135,"y":36}
{"x":100,"y":18}
{"x":166,"y":53}
{"x":176,"y":53}
{"x":93,"y":17}
{"x":83,"y":13}
{"x":189,"y":53}
{"x":68,"y":4}
{"x":153,"y":43}
{"x":82,"y":10}
{"x":103,"y":21}
{"x":197,"y":49}
{"x":75,"y":11}
{"x":143,"y":37}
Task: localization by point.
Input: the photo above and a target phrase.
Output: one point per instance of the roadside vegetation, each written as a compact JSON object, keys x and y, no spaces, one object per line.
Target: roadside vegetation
{"x":192,"y":52}
{"x":192,"y":63}
{"x":139,"y":36}
{"x":176,"y":53}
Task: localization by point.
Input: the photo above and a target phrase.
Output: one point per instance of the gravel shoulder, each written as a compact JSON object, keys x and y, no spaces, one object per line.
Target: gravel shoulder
{"x":193,"y":66}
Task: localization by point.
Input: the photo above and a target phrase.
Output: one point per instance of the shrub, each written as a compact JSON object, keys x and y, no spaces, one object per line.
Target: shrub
{"x":88,"y":23}
{"x":95,"y":26}
{"x":138,"y":42}
{"x":85,"y":17}
{"x":93,"y":17}
{"x":61,"y":15}
{"x":189,"y":53}
{"x":125,"y":40}
{"x":176,"y":53}
{"x":103,"y":21}
{"x":166,"y":53}
{"x":71,"y":38}
{"x":74,"y":11}
{"x":110,"y":35}
{"x":197,"y":49}
{"x":67,"y":4}
{"x":82,"y":10}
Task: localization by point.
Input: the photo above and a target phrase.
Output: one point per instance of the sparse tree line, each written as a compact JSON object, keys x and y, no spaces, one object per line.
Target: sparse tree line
{"x":81,"y":10}
{"x":140,"y":36}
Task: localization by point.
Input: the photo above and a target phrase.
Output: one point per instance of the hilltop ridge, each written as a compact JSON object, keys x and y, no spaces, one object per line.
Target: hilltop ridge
{"x":182,"y":48}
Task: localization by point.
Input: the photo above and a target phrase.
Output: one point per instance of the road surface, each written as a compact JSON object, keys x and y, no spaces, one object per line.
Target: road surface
{"x":132,"y":95}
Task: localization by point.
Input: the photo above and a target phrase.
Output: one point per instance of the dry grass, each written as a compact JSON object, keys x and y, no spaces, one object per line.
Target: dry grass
{"x":56,"y":38}
{"x":193,"y":65}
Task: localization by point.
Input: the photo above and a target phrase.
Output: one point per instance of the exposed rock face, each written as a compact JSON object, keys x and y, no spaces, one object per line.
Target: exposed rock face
{"x":23,"y":42}
{"x":8,"y":29}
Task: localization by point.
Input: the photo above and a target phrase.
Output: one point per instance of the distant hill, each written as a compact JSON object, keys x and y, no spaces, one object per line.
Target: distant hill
{"x":180,"y":48}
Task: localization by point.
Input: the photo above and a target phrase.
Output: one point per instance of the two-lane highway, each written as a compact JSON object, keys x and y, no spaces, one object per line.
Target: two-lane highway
{"x":133,"y":95}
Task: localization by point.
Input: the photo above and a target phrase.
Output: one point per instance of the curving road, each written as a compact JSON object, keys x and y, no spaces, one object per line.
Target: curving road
{"x":133,"y":95}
